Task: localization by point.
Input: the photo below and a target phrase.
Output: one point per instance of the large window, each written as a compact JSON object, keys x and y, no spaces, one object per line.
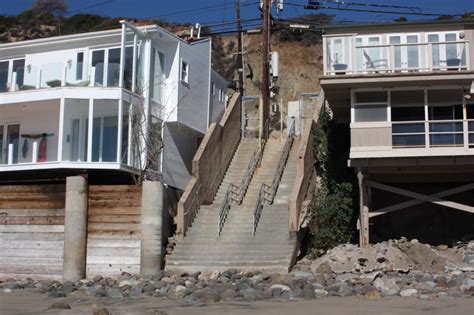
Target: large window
{"x":370,"y":106}
{"x":447,"y":51}
{"x":408,"y":118}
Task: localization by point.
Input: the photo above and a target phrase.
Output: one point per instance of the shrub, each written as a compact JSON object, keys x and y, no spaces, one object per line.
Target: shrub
{"x":332,"y":215}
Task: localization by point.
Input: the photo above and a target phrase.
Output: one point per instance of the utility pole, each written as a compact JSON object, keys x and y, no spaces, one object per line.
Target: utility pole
{"x":265,"y":84}
{"x":240,"y":56}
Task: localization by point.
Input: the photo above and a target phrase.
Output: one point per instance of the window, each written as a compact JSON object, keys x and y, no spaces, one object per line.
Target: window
{"x":220,"y":95}
{"x":158,"y":76}
{"x":408,"y":116}
{"x":3,"y":77}
{"x":213,"y":88}
{"x":370,"y":106}
{"x":447,"y":55}
{"x":79,"y":65}
{"x":19,"y":69}
{"x":184,"y":71}
{"x":113,"y":67}
{"x":98,"y":59}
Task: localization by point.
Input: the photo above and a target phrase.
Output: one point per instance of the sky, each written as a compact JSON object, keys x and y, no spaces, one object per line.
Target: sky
{"x":208,"y":12}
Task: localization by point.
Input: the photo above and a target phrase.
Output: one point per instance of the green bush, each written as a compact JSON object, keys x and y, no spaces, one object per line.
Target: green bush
{"x":332,"y":211}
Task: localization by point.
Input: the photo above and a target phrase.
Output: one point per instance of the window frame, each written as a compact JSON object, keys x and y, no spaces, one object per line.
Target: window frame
{"x":184,"y":72}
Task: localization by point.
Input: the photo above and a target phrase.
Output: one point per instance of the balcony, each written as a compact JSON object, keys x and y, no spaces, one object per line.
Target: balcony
{"x":434,"y":121}
{"x":81,"y":133}
{"x":404,"y":53}
{"x":121,"y":66}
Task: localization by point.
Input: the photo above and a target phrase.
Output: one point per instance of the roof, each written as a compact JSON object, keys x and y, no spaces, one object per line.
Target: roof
{"x":90,"y":36}
{"x":409,"y":24}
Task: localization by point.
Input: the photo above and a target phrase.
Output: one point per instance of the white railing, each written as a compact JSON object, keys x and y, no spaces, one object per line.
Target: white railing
{"x":399,"y":58}
{"x":433,"y":133}
{"x":60,"y":75}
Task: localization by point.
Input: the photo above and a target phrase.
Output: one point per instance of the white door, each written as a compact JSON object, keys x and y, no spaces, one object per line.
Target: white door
{"x":406,"y":52}
{"x":9,"y":139}
{"x":369,"y":54}
{"x":451,"y":55}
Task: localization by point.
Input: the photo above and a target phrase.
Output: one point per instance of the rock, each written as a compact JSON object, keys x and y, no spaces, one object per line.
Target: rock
{"x":228,"y":295}
{"x":167,"y":280}
{"x":59,"y":306}
{"x":6,"y":290}
{"x":179,"y":288}
{"x":68,"y":287}
{"x":308,"y":292}
{"x":98,"y":278}
{"x":302,"y":274}
{"x":408,"y":292}
{"x":250,"y":294}
{"x":344,"y":290}
{"x":320,"y":293}
{"x":125,"y":283}
{"x":281,"y":287}
{"x":102,"y":311}
{"x":11,"y":286}
{"x":214,"y":275}
{"x":115,"y":294}
{"x":442,"y":247}
{"x":387,"y":287}
{"x":136,"y":291}
{"x":211,"y":297}
{"x":373,"y":294}
{"x":100,"y":292}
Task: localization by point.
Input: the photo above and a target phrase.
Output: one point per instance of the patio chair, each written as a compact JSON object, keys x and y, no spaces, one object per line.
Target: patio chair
{"x":375,"y":64}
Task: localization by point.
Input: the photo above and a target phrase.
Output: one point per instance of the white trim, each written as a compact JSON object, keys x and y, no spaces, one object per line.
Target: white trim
{"x":61,"y":129}
{"x":119,"y":131}
{"x":372,"y":124}
{"x":66,"y":165}
{"x":90,"y":130}
{"x":61,"y":92}
{"x":379,"y":152}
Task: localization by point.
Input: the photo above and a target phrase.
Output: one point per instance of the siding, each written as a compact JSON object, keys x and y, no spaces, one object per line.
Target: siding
{"x":114,"y":225}
{"x":371,"y":137}
{"x":32,"y":231}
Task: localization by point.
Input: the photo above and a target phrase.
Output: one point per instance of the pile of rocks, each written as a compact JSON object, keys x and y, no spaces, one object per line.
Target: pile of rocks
{"x":368,"y":277}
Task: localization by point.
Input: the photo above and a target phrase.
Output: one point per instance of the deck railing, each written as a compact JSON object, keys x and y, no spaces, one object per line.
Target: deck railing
{"x":433,"y":133}
{"x":267,"y":193}
{"x":235,"y":194}
{"x":399,"y":58}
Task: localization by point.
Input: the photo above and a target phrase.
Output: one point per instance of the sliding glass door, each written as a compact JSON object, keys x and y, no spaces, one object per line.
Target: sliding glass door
{"x":9,"y":140}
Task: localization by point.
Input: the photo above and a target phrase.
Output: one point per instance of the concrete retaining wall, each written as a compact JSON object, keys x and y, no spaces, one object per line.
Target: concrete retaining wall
{"x":210,"y":164}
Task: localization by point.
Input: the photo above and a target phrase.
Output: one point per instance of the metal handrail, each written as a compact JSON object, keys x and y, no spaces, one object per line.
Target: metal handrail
{"x":267,"y":193}
{"x":236,"y":193}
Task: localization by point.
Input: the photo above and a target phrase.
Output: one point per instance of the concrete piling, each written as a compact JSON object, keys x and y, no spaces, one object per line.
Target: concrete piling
{"x":75,"y":228}
{"x":151,"y":251}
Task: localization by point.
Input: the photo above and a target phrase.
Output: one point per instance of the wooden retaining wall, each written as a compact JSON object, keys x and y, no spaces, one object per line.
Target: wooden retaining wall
{"x":32,"y":231}
{"x":114,"y":226}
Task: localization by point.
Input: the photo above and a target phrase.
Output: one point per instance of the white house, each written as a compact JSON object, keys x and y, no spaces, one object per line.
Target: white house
{"x":73,"y":102}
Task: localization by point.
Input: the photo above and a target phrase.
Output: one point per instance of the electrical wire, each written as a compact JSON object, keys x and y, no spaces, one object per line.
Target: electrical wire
{"x":319,"y":6}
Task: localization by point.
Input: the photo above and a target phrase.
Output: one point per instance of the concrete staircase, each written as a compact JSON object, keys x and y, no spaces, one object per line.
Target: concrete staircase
{"x":270,"y":249}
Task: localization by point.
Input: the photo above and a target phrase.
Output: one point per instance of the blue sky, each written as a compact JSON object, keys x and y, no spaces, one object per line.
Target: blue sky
{"x":223,"y":10}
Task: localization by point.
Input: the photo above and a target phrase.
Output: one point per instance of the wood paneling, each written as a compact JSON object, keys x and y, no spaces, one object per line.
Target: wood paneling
{"x":114,"y":225}
{"x":32,"y":231}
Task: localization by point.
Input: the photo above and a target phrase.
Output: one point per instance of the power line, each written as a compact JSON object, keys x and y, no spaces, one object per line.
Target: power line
{"x":324,"y":7}
{"x":90,"y":7}
{"x":216,"y":7}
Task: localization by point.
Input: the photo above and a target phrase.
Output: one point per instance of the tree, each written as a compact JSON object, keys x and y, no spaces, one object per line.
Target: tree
{"x":468,"y":15}
{"x":53,"y":7}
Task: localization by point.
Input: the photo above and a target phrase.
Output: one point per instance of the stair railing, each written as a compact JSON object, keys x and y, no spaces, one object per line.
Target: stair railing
{"x":267,"y":193}
{"x":235,"y":194}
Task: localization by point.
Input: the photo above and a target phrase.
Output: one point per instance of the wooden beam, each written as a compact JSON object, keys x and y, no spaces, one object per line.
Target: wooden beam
{"x":415,"y":202}
{"x":403,"y":192}
{"x":364,"y":212}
